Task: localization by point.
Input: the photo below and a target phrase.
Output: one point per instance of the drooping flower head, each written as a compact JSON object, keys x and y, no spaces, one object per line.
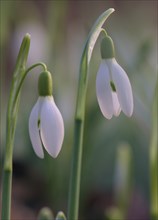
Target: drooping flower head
{"x":46,"y":127}
{"x":113,"y":88}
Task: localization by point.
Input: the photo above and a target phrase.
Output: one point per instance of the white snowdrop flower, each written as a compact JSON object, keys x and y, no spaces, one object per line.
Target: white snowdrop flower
{"x":113,"y":88}
{"x":46,"y":125}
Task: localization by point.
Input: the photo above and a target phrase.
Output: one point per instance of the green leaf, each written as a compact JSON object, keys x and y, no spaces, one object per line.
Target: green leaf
{"x":13,"y":102}
{"x":85,"y":61}
{"x":19,"y":70}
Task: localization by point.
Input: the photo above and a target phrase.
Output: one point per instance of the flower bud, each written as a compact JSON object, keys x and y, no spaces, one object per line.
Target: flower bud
{"x":60,"y":216}
{"x":45,"y":214}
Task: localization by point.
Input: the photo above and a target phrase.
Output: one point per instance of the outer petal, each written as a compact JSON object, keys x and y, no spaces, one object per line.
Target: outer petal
{"x":52,"y":127}
{"x":103,"y":91}
{"x":34,"y":130}
{"x":123,"y":88}
{"x":116,"y":105}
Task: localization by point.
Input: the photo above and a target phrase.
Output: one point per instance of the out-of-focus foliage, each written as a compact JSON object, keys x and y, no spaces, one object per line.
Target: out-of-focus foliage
{"x":58,"y":31}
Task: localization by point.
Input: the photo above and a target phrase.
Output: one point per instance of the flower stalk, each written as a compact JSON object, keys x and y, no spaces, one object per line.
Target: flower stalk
{"x":11,"y":123}
{"x":154,"y":160}
{"x":19,"y":75}
{"x":74,"y":190}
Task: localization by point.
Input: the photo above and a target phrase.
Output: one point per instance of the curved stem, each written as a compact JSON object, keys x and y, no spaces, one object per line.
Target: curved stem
{"x":10,"y":133}
{"x":25,"y":74}
{"x":104,"y":31}
{"x":74,"y":190}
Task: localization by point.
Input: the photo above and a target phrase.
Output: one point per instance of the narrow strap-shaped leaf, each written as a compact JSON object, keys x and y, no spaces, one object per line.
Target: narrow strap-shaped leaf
{"x":19,"y":70}
{"x":12,"y":110}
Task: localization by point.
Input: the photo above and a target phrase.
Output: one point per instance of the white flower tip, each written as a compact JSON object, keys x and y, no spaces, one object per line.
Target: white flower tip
{"x":55,"y":150}
{"x":41,"y":156}
{"x":127,"y":107}
{"x":107,"y":116}
{"x":55,"y":153}
{"x":129,"y":112}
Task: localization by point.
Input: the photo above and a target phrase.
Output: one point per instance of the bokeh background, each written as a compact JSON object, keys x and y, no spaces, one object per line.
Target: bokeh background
{"x":58,"y":32}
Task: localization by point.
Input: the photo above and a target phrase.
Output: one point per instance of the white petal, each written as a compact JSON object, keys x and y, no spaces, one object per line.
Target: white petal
{"x":51,"y":127}
{"x":123,"y":88}
{"x":34,"y":130}
{"x":103,"y":91}
{"x":116,"y":105}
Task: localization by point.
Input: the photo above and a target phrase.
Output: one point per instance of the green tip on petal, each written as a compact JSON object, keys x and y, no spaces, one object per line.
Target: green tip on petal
{"x":45,"y":84}
{"x":112,"y":86}
{"x":45,"y":214}
{"x":60,"y":216}
{"x":107,"y":48}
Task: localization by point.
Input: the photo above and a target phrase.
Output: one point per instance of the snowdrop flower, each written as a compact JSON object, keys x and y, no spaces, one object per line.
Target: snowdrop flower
{"x":113,"y":88}
{"x":46,"y":125}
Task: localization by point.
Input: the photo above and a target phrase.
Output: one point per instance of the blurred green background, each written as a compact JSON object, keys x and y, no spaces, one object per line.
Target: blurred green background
{"x":58,"y":32}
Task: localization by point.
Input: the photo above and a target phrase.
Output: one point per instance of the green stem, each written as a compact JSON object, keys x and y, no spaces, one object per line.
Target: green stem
{"x":7,"y":183}
{"x":76,"y":170}
{"x":74,"y":190}
{"x":154,"y":160}
{"x":28,"y":70}
{"x":10,"y":133}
